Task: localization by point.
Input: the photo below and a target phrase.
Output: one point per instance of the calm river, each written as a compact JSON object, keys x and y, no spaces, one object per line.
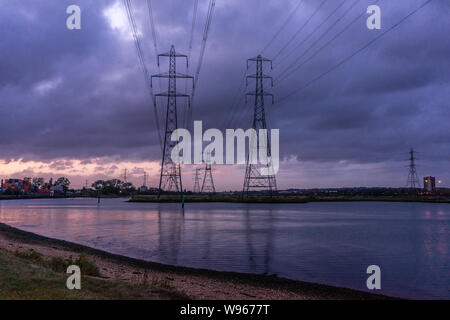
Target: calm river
{"x":330,"y":243}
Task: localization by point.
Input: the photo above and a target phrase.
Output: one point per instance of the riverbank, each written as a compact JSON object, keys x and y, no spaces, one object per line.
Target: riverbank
{"x":285,"y":198}
{"x":27,"y":271}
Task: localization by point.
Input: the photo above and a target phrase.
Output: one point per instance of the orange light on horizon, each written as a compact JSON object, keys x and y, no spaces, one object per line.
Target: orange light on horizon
{"x":439,"y":181}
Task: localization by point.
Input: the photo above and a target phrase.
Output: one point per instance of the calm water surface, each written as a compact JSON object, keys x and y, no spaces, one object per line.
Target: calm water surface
{"x":329,"y":243}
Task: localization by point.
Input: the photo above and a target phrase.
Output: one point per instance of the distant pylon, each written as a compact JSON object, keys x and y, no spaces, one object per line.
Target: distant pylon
{"x":208,"y":182}
{"x":197,"y":181}
{"x":145,"y":179}
{"x":125,"y":175}
{"x":413,"y":180}
{"x":254,"y":180}
{"x":170,"y":179}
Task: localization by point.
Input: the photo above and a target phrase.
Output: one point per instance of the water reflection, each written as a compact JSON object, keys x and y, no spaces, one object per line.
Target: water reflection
{"x":329,"y":243}
{"x":171,"y":232}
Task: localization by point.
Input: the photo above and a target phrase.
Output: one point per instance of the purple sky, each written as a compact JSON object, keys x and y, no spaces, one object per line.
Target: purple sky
{"x":74,"y":102}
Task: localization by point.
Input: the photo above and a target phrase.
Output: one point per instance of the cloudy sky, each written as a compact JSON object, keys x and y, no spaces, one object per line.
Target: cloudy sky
{"x":75,"y":102}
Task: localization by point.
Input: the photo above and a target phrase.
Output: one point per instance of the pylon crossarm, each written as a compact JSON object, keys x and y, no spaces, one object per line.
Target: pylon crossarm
{"x":255,"y":76}
{"x":259,"y":58}
{"x":167,"y":76}
{"x":176,"y":55}
{"x":165,"y":94}
{"x":259,"y":94}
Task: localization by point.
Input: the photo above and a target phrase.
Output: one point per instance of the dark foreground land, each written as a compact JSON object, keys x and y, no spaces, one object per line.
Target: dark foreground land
{"x":33,"y":267}
{"x":286,"y":198}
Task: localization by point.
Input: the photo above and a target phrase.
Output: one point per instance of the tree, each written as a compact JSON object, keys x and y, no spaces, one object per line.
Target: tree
{"x":64,"y":182}
{"x":127,"y":186}
{"x":37,"y":183}
{"x":99,"y":184}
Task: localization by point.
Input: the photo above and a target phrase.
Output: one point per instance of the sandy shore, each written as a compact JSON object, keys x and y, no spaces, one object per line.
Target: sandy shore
{"x":182,"y":282}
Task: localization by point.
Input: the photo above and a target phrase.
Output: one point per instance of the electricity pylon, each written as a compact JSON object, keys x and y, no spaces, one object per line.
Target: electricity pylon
{"x":208,"y":182}
{"x":197,"y":181}
{"x":145,"y":179}
{"x":170,"y":179}
{"x":254,"y":179}
{"x":413,"y":180}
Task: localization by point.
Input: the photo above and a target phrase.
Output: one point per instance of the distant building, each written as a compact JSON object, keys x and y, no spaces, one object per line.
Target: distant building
{"x":44,"y":191}
{"x":57,"y":189}
{"x":143,"y":189}
{"x":429,"y":184}
{"x":16,"y":185}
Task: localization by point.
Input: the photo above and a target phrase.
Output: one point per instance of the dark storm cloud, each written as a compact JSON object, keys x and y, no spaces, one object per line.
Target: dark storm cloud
{"x":80,"y":94}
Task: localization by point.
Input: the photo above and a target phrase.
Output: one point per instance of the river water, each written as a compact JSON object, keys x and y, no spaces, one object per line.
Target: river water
{"x":330,"y":243}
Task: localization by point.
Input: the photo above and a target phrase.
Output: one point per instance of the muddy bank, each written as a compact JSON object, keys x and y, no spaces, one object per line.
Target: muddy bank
{"x":184,"y":282}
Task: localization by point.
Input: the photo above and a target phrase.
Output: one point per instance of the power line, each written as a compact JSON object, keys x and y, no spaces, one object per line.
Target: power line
{"x":314,"y":31}
{"x":153,"y":28}
{"x":317,"y":40}
{"x":155,"y":47}
{"x":191,"y":39}
{"x":137,"y":42}
{"x":212,"y":4}
{"x":299,"y":30}
{"x":242,"y":88}
{"x":235,"y":103}
{"x":357,"y":51}
{"x":291,"y":15}
{"x":243,"y":110}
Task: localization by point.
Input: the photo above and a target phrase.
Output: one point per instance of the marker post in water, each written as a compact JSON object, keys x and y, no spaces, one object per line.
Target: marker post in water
{"x":182,"y":199}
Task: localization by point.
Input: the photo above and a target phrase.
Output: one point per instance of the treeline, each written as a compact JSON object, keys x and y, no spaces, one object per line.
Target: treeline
{"x":113,"y":187}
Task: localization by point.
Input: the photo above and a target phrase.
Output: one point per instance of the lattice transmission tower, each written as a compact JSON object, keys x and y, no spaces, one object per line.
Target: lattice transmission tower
{"x":125,"y":177}
{"x":254,"y":180}
{"x":197,"y":181}
{"x":170,"y":179}
{"x":208,"y":182}
{"x":413,"y":180}
{"x":145,"y":179}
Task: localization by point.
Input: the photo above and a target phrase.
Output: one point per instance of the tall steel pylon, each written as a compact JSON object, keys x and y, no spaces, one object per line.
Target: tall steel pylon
{"x":145,"y":179}
{"x":413,"y":180}
{"x":254,"y":180}
{"x":197,"y":181}
{"x":125,"y":178}
{"x":170,"y":179}
{"x":208,"y":182}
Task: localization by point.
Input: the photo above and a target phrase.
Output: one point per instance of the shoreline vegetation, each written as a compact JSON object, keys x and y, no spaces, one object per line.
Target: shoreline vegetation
{"x":441,"y":195}
{"x":285,"y":198}
{"x":33,"y":267}
{"x":199,"y":198}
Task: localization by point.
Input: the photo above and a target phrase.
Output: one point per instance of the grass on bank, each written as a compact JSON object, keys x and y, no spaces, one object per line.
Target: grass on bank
{"x":27,"y":275}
